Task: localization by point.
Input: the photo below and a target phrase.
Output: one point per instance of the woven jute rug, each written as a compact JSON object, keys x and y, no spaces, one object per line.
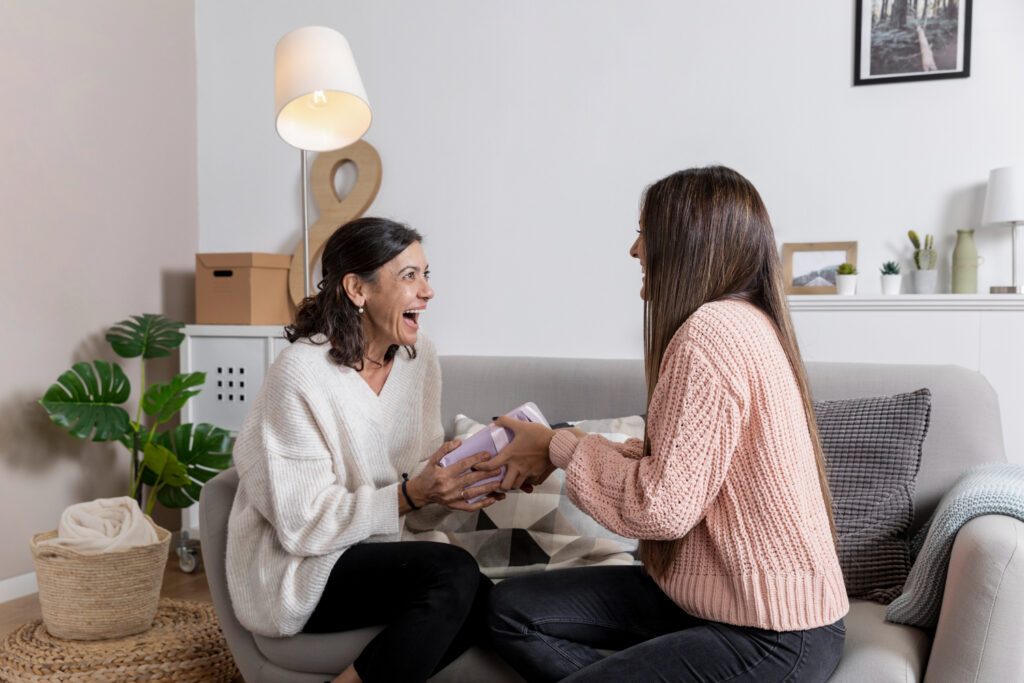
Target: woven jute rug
{"x":185,"y":644}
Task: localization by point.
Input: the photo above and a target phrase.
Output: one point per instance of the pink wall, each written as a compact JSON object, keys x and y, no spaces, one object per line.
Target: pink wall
{"x":98,"y":207}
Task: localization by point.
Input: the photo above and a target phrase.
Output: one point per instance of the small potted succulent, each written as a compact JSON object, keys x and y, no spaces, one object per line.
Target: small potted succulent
{"x":891,"y":277}
{"x":925,"y":259}
{"x":846,"y":279}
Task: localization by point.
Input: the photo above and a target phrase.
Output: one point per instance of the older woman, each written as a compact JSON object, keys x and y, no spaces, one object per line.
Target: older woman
{"x":341,"y":447}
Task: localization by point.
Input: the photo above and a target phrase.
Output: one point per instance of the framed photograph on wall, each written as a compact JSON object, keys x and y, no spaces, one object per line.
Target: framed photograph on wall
{"x":911,"y":40}
{"x":810,"y":267}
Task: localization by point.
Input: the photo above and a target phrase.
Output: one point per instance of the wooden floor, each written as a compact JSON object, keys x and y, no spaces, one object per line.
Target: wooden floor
{"x":177,"y":584}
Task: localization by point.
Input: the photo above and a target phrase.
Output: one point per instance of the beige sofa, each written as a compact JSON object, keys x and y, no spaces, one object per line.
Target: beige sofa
{"x":981,"y":627}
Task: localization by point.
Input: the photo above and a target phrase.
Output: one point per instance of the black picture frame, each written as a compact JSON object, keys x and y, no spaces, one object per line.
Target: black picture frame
{"x":950,"y":33}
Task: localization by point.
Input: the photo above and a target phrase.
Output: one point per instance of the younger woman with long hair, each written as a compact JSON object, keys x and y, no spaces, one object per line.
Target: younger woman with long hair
{"x":727,"y":492}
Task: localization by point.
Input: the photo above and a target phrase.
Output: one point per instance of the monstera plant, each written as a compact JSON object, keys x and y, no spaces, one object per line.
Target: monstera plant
{"x":87,"y":400}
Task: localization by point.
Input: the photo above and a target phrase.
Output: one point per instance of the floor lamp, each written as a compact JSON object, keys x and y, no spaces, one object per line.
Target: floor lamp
{"x":320,"y":101}
{"x":1004,"y":205}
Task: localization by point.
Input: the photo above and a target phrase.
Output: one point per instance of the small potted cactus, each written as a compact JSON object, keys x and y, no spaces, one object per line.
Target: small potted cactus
{"x":891,"y":277}
{"x":846,"y":279}
{"x":924,"y":259}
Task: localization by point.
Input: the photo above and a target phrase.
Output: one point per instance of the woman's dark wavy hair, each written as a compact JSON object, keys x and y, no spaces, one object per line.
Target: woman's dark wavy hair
{"x":361,"y":247}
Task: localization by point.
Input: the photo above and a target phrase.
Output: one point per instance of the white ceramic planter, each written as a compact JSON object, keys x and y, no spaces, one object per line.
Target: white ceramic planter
{"x":846,"y":284}
{"x":924,"y":281}
{"x":891,"y":283}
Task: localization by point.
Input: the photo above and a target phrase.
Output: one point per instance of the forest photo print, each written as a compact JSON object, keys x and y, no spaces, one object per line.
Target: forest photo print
{"x":910,"y":40}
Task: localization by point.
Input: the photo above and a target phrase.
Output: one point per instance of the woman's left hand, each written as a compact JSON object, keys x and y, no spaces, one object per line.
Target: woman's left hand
{"x":455,"y":485}
{"x":526,"y":456}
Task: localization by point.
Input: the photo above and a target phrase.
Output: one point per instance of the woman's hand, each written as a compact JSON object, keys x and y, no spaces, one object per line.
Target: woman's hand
{"x":533,"y":482}
{"x":526,"y":456}
{"x":454,"y":486}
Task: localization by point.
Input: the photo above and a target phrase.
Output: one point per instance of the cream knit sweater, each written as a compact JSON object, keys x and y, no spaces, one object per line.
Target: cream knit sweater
{"x":731,"y":473}
{"x":319,"y":458}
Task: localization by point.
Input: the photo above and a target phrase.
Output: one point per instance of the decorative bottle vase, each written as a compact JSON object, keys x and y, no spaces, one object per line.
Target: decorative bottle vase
{"x":965,"y":263}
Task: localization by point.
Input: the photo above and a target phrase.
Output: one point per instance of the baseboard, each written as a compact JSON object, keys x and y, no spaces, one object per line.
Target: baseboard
{"x":18,"y":587}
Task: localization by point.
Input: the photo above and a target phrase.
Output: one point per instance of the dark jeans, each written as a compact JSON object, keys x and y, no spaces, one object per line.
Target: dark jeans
{"x":431,"y":597}
{"x":551,"y":627}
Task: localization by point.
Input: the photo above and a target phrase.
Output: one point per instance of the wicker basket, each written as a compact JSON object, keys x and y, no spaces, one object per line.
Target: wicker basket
{"x":104,"y":595}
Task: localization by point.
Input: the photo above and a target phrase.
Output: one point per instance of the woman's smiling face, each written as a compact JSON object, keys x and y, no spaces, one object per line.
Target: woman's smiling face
{"x":396,"y":298}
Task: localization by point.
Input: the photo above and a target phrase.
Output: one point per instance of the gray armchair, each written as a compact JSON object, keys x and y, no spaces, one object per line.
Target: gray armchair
{"x":981,"y":626}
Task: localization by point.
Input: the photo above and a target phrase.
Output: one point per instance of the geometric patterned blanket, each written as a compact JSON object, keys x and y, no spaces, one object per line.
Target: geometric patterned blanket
{"x":534,"y":532}
{"x":989,"y":489}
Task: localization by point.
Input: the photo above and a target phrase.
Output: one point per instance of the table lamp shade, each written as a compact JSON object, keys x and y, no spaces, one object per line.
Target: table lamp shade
{"x":319,"y":97}
{"x":1004,"y":200}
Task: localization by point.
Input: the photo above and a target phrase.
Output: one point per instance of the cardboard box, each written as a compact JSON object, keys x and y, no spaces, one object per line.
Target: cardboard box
{"x":243,"y":289}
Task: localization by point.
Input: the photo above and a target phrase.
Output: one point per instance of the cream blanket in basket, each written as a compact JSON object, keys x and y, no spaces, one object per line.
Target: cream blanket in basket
{"x":103,"y":525}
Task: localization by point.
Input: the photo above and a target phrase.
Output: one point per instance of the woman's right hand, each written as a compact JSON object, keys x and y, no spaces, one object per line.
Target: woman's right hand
{"x":453,"y":486}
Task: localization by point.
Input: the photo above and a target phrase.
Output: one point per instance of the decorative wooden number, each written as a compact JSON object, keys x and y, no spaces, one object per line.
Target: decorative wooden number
{"x":335,"y":211}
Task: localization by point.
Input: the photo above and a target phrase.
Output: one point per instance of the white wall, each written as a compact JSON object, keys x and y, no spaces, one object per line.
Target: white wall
{"x":518,"y":136}
{"x":98,"y":212}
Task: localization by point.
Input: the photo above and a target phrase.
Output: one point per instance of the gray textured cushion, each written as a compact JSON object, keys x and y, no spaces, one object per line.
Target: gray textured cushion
{"x":872,"y":452}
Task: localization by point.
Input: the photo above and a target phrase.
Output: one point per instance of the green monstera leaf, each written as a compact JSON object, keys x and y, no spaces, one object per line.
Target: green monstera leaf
{"x":166,"y":468}
{"x":165,"y":399}
{"x":85,"y":401}
{"x":164,"y":464}
{"x":202,"y":449}
{"x":147,"y":335}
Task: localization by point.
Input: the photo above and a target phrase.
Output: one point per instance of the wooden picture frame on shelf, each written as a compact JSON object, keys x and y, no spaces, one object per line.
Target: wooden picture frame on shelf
{"x":810,"y":267}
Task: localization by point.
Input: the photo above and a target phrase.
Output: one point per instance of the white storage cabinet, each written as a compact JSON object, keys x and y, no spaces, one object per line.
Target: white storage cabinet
{"x":235,"y":359}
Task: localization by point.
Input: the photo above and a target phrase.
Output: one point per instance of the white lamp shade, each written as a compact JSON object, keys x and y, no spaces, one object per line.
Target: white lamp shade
{"x":1004,"y":200}
{"x":318,"y":96}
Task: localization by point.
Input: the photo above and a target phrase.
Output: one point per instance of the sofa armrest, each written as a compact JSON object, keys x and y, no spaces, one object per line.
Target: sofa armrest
{"x":981,"y":624}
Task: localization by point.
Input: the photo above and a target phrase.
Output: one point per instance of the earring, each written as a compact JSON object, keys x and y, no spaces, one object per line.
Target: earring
{"x":360,"y":310}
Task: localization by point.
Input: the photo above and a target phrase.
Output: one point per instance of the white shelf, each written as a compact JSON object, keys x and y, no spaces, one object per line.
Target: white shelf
{"x":234,"y":330}
{"x":907,"y":302}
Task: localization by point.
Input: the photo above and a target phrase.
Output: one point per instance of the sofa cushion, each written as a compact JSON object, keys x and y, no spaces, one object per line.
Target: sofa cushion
{"x":529,"y":532}
{"x":872,"y":452}
{"x":878,"y":651}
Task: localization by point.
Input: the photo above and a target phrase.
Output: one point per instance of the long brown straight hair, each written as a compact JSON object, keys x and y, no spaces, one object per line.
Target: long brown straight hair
{"x":707,"y":237}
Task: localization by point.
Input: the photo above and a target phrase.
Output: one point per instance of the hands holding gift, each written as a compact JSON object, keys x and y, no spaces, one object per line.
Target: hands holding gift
{"x":455,"y":485}
{"x":526,"y":456}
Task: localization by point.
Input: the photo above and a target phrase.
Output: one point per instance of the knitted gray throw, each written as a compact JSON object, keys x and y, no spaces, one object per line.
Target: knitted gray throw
{"x":990,"y":489}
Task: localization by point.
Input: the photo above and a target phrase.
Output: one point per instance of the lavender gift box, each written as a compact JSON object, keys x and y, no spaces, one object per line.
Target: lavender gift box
{"x":493,"y":439}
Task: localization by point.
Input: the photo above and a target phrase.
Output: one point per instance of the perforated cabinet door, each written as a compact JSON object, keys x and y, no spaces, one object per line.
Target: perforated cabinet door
{"x":235,"y":368}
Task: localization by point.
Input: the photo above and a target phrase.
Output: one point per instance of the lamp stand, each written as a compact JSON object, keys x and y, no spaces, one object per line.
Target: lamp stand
{"x":305,"y":233}
{"x":1015,"y":243}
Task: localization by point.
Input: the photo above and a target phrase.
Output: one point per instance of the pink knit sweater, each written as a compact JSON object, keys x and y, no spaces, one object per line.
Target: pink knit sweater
{"x":731,"y":472}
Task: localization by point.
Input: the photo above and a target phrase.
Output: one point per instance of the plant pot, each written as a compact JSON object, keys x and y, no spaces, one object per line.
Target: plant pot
{"x":846,"y":284}
{"x":891,"y":283}
{"x":925,"y":280}
{"x":102,"y":595}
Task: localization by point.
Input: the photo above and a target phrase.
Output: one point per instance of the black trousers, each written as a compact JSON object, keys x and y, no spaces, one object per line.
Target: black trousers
{"x":430,"y":597}
{"x":552,"y":626}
